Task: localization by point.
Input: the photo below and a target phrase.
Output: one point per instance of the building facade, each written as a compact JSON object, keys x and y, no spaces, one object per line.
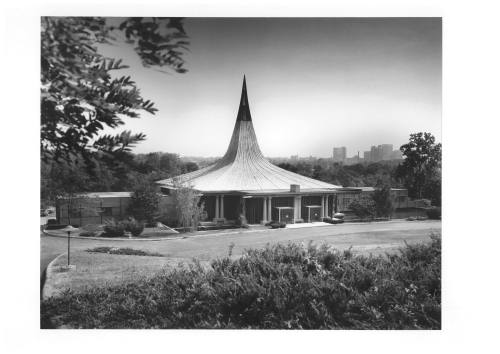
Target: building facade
{"x":339,"y":154}
{"x":244,"y":183}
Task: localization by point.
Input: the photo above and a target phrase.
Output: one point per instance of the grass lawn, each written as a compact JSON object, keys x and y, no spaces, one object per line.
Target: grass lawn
{"x":101,"y":269}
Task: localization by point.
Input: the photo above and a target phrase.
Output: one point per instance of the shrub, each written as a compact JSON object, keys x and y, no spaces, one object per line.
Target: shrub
{"x":117,"y":229}
{"x":88,"y":233}
{"x":133,"y":226}
{"x":434,"y":213}
{"x":55,"y":226}
{"x":280,"y":287}
{"x":144,"y":202}
{"x":124,"y":251}
{"x":114,"y":230}
{"x":364,"y":208}
{"x":276,"y":224}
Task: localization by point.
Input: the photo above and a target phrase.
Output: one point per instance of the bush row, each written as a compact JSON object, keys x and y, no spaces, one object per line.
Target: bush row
{"x":123,"y":251}
{"x":117,"y":229}
{"x":280,"y":287}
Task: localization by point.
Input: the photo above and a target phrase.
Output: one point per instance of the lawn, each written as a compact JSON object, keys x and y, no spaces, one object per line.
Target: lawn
{"x":102,"y":269}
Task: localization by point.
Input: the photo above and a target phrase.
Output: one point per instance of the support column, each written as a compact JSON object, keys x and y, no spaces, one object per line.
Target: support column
{"x":264,"y":210}
{"x":216,"y":207}
{"x":269,"y":210}
{"x":222,"y":206}
{"x":322,"y":206}
{"x":326,"y":206}
{"x":299,"y":207}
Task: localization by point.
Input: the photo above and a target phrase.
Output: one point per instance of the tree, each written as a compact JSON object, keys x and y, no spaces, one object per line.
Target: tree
{"x":144,"y":203}
{"x":382,"y":199}
{"x":188,"y":208}
{"x":421,"y":167}
{"x":80,"y":96}
{"x":363,"y":208}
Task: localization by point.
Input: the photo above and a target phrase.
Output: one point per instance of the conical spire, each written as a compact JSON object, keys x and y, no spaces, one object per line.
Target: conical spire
{"x":244,"y":110}
{"x":243,"y":168}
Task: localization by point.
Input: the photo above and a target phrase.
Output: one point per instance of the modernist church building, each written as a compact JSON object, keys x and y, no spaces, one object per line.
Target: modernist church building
{"x":244,"y":182}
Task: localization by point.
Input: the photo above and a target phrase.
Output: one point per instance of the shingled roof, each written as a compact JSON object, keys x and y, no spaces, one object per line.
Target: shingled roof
{"x":244,"y":168}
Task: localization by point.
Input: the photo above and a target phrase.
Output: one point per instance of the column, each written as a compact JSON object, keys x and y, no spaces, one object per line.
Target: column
{"x":326,"y":205}
{"x":264,"y":210}
{"x":299,"y":207}
{"x":216,"y":207}
{"x":269,"y":210}
{"x":322,"y":206}
{"x":222,"y":206}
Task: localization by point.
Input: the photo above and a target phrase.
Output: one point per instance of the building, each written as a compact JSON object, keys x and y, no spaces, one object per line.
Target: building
{"x":92,"y":208}
{"x":339,"y":154}
{"x":386,"y":151}
{"x":244,"y":182}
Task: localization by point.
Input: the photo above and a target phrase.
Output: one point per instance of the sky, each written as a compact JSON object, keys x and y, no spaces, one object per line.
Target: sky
{"x":312,"y":84}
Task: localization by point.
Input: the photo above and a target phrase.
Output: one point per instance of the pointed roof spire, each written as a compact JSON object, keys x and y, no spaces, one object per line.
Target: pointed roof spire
{"x":244,"y":110}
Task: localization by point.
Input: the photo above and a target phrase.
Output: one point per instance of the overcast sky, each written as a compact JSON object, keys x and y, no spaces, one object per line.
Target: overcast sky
{"x":312,"y":83}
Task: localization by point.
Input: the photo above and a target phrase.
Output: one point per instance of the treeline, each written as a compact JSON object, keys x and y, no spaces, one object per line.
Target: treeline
{"x":359,"y":175}
{"x":108,"y":175}
{"x":419,"y":172}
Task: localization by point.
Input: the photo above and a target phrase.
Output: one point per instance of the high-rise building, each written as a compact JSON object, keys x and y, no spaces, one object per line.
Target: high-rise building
{"x":386,"y":151}
{"x":367,"y":156}
{"x":339,"y":154}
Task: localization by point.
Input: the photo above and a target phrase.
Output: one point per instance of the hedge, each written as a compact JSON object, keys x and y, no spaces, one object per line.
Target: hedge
{"x":279,"y":287}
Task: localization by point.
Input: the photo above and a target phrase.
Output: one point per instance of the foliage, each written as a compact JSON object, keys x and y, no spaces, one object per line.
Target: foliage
{"x":384,"y":205}
{"x":58,"y":179}
{"x":279,"y":287}
{"x":124,"y":251}
{"x":88,"y":233}
{"x":363,"y":208}
{"x":144,"y":203}
{"x":133,"y":226}
{"x":80,"y":93}
{"x":188,"y":208}
{"x":358,"y":175}
{"x":55,"y":226}
{"x":118,"y":229}
{"x":114,"y":229}
{"x":420,"y":171}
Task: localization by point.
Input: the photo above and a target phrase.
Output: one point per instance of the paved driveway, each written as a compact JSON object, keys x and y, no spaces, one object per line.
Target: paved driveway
{"x":364,"y":238}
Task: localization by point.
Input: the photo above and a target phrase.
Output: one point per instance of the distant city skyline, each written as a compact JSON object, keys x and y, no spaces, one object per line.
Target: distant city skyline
{"x":312,"y":84}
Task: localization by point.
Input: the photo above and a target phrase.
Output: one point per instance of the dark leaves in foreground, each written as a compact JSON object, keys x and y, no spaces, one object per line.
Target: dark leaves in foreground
{"x":81,"y":92}
{"x":285,"y":287}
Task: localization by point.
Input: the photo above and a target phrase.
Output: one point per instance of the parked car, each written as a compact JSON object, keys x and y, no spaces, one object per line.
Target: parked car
{"x":337,"y":220}
{"x":339,"y":216}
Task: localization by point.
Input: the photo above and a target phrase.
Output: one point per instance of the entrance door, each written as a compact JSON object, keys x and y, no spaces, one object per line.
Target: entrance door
{"x":254,"y":209}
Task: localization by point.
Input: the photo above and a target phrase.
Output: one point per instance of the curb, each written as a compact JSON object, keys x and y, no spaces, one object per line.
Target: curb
{"x":113,"y":238}
{"x":49,"y":275}
{"x":202,"y":233}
